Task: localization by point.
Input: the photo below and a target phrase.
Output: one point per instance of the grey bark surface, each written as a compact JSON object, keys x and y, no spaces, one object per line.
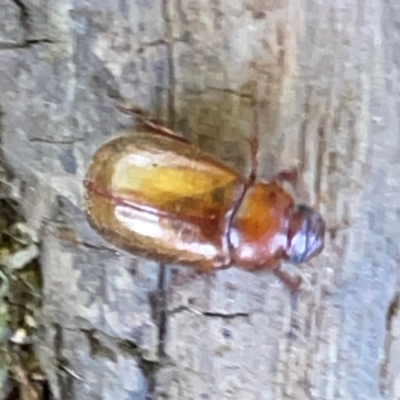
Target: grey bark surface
{"x":319,"y":82}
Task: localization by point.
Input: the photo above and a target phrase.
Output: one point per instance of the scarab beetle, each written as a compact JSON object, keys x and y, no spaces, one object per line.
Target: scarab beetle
{"x":156,"y":195}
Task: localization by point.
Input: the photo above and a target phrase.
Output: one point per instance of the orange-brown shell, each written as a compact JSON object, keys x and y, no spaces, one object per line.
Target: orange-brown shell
{"x":159,"y":197}
{"x":259,"y":230}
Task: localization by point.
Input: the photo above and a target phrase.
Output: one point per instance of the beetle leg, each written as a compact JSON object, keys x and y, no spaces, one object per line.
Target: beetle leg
{"x":157,"y":128}
{"x":293,"y":284}
{"x":288,"y":175}
{"x":164,"y":131}
{"x":66,"y":233}
{"x":254,"y":145}
{"x":253,"y":157}
{"x":291,"y":176}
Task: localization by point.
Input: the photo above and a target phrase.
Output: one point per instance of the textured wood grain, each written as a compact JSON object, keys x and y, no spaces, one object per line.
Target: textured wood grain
{"x":318,"y":82}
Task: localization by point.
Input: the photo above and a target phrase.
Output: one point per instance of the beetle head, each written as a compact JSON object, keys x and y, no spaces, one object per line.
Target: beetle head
{"x":306,"y":234}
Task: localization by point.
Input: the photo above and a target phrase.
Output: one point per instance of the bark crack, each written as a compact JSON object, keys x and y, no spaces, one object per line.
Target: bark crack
{"x":25,"y":20}
{"x":56,"y":142}
{"x":27,"y":44}
{"x":105,"y":346}
{"x":226,"y":316}
{"x":162,"y":310}
{"x":65,"y":376}
{"x":211,"y":314}
{"x":24,"y":16}
{"x":391,"y":314}
{"x":166,"y":4}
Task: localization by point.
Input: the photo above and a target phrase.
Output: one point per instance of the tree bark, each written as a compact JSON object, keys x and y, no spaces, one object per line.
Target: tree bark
{"x":319,"y":83}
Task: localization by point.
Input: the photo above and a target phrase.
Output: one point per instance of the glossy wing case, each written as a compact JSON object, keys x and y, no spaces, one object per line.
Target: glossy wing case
{"x":163,"y":198}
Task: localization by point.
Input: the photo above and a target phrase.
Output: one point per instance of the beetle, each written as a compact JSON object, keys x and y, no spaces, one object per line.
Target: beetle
{"x":156,"y":195}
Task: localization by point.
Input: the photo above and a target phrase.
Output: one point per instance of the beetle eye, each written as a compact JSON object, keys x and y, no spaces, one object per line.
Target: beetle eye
{"x":306,"y":234}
